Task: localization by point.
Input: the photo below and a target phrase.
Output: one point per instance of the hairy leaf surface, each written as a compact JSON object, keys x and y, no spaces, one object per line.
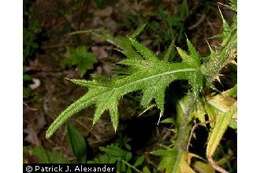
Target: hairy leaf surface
{"x":151,"y":76}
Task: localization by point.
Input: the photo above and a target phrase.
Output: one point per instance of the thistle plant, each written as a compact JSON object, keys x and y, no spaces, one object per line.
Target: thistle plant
{"x":147,"y":73}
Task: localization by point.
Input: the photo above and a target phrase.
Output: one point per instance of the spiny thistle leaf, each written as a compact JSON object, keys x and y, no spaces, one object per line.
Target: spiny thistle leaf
{"x":224,"y":55}
{"x":146,"y":53}
{"x":151,"y":76}
{"x":192,"y":59}
{"x":123,"y":43}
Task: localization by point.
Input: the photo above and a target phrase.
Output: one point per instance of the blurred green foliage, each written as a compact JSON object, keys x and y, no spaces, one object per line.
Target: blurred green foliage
{"x":80,"y":58}
{"x":31,"y":31}
{"x":46,"y":156}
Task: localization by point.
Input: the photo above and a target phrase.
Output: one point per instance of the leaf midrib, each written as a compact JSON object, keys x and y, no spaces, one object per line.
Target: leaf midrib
{"x":157,"y":75}
{"x":61,"y":120}
{"x":143,"y":79}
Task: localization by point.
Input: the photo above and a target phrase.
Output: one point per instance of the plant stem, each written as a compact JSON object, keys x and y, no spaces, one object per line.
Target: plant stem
{"x":131,"y":166}
{"x":184,"y":126}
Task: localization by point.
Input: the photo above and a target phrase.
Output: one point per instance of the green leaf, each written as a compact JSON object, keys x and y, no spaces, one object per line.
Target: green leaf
{"x":233,"y":124}
{"x":184,"y":164}
{"x":138,"y":31}
{"x":233,"y":5}
{"x":221,"y":102}
{"x":41,"y":154}
{"x":151,"y":76}
{"x":192,"y":57}
{"x":221,"y":110}
{"x":123,"y":43}
{"x":231,"y":92}
{"x":218,"y":131}
{"x":45,"y":156}
{"x":80,"y":57}
{"x":193,"y":52}
{"x":168,"y":121}
{"x":173,"y":160}
{"x":184,"y":9}
{"x":199,"y":112}
{"x":222,"y":56}
{"x":114,"y":154}
{"x":146,"y":170}
{"x":224,"y":108}
{"x":168,"y":159}
{"x":202,"y":167}
{"x":139,"y":161}
{"x":77,"y":142}
{"x":170,"y":51}
{"x":145,"y":52}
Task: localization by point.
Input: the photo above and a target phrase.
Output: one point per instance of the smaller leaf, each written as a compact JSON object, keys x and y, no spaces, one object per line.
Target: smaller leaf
{"x":145,"y":52}
{"x":185,"y":57}
{"x":233,"y":124}
{"x":41,"y":154}
{"x":113,"y":154}
{"x":170,"y":51}
{"x":189,"y":59}
{"x":233,"y":5}
{"x":45,"y":156}
{"x":82,"y":83}
{"x":80,"y":57}
{"x":169,"y":160}
{"x":199,"y":112}
{"x":139,"y":161}
{"x":222,"y":103}
{"x":184,"y":9}
{"x":221,"y":109}
{"x":227,"y":30}
{"x":184,"y":164}
{"x":146,"y":170}
{"x":164,"y":152}
{"x":231,"y":92}
{"x":202,"y":167}
{"x":138,"y":31}
{"x":219,"y":128}
{"x":77,"y":142}
{"x":123,"y":43}
{"x":192,"y":50}
{"x":114,"y":115}
{"x":168,"y":121}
